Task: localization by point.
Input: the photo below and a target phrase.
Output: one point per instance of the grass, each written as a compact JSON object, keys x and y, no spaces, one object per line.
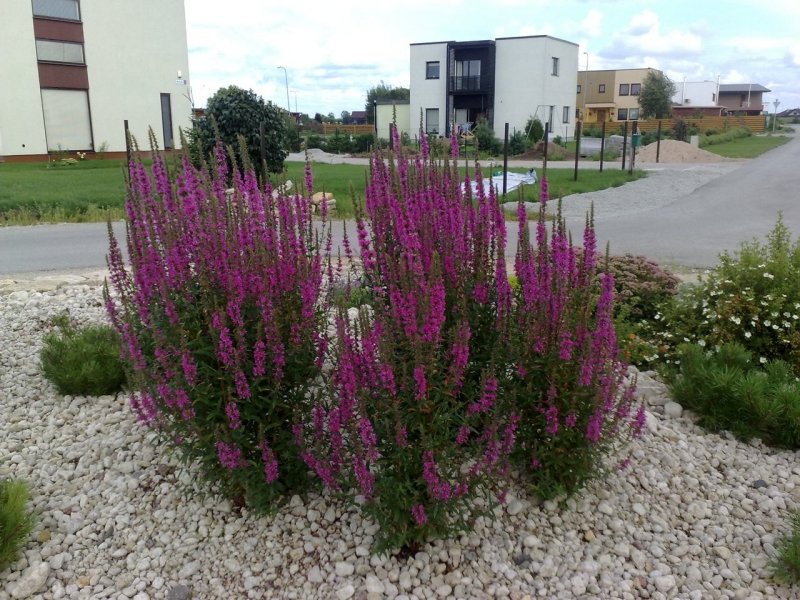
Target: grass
{"x":15,"y":520}
{"x":786,"y":565}
{"x":93,"y":191}
{"x":748,"y":147}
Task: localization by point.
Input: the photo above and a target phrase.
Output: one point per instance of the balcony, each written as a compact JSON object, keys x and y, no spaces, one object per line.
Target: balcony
{"x":469,"y":83}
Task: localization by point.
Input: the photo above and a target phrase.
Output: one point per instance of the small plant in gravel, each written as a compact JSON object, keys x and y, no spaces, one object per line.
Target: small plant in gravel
{"x":222,"y":320}
{"x":413,"y":425}
{"x":16,"y":522}
{"x":729,"y":390}
{"x":752,"y":298}
{"x":786,"y":564}
{"x":83,"y":361}
{"x":566,"y":378}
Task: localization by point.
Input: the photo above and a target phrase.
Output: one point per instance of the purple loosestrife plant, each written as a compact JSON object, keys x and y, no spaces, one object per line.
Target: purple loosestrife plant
{"x":569,"y":384}
{"x":221,"y":318}
{"x":414,"y":425}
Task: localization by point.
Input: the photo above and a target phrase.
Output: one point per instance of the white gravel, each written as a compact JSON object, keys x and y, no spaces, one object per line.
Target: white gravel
{"x":696,"y":516}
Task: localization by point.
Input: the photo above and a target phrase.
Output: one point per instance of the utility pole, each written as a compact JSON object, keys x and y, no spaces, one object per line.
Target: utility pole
{"x":286,"y":78}
{"x":586,"y":87}
{"x":776,"y":102}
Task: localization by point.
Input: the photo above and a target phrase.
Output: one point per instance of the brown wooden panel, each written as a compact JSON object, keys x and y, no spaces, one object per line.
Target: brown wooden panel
{"x":70,"y":77}
{"x":64,"y":31}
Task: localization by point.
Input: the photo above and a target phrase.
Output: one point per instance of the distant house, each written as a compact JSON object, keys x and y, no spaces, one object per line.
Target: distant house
{"x":610,"y":95}
{"x":73,"y":71}
{"x":742,"y":98}
{"x":790,"y":112}
{"x":697,"y":98}
{"x":358,"y":117}
{"x":507,"y":80}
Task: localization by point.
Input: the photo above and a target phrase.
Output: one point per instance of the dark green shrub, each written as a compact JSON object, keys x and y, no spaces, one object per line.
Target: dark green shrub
{"x":729,"y":390}
{"x":487,"y":142}
{"x":518,"y":143}
{"x":728,"y":136}
{"x":534,"y":129}
{"x":592,"y":130}
{"x":364,"y":142}
{"x":294,"y":142}
{"x":680,"y":130}
{"x":641,"y":286}
{"x":234,"y":112}
{"x":16,"y":522}
{"x":786,"y":564}
{"x":83,"y":361}
{"x":315,"y":141}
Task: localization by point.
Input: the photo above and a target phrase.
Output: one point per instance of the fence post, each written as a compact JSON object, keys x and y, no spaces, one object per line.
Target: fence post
{"x":658,"y":141}
{"x":546,"y":143}
{"x":602,"y":145}
{"x":624,"y":144}
{"x":128,"y":147}
{"x":577,"y":148}
{"x":505,"y":160}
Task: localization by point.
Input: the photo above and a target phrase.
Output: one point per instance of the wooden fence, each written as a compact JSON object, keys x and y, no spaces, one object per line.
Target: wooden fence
{"x":328,"y":128}
{"x":756,"y":124}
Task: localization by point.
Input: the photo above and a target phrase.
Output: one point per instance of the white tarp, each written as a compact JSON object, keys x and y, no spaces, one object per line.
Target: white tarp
{"x":513,"y":181}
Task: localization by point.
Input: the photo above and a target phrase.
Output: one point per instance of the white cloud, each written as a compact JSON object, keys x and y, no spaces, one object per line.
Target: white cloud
{"x":592,"y":23}
{"x":643,"y":37}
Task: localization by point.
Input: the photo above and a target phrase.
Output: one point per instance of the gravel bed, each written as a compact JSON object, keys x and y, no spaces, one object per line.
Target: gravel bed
{"x":695,"y":516}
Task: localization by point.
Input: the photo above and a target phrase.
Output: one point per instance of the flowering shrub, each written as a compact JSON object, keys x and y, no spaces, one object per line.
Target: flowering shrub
{"x":730,"y":390}
{"x":414,"y":426}
{"x":569,"y":384}
{"x":751,"y":298}
{"x":222,"y":327}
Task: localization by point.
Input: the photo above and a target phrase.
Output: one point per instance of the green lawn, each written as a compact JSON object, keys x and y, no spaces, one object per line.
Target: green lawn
{"x":748,"y":147}
{"x":95,"y":190}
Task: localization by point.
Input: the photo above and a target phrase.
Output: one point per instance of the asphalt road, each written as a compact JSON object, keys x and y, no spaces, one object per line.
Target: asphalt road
{"x":688,"y":231}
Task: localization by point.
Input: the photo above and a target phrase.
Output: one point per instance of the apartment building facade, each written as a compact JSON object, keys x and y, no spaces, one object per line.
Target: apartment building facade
{"x":74,"y":70}
{"x":507,"y":80}
{"x":610,"y":95}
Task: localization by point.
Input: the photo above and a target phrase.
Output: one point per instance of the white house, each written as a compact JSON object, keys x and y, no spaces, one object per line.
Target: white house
{"x":507,"y":80}
{"x":74,"y":70}
{"x":696,"y":93}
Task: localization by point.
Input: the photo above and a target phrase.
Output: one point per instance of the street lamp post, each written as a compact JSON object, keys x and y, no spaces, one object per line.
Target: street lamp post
{"x":776,"y":102}
{"x":286,"y":78}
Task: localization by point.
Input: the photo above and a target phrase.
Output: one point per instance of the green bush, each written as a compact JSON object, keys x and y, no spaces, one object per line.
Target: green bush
{"x":641,"y":286}
{"x":235,"y":112}
{"x":518,"y":143}
{"x":534,"y":129}
{"x":487,"y":142}
{"x":83,"y":361}
{"x":786,"y":564}
{"x":315,"y":141}
{"x":752,"y":298}
{"x":592,"y":130}
{"x":16,"y":522}
{"x":710,"y":139}
{"x":730,"y":391}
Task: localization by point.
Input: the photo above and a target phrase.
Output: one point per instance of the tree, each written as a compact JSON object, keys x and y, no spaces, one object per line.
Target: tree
{"x":236,"y":112}
{"x":318,"y":117}
{"x":384,"y":92}
{"x":345,"y":117}
{"x":655,"y":97}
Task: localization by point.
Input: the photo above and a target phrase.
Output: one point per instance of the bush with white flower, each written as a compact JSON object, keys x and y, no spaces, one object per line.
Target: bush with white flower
{"x":751,"y":298}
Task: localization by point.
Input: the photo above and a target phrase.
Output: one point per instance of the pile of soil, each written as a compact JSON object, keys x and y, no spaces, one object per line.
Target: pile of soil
{"x":673,"y":151}
{"x":537,"y":152}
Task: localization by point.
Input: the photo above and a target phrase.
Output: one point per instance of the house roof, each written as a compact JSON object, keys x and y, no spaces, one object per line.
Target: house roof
{"x":738,"y":88}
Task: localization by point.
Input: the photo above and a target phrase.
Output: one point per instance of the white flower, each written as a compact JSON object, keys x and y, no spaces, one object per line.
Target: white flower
{"x":701,"y":343}
{"x":762,"y":360}
{"x":787,"y":315}
{"x":775,"y":326}
{"x":767,"y":323}
{"x":736,"y":320}
{"x":748,"y":335}
{"x":787,"y":324}
{"x":774,"y":314}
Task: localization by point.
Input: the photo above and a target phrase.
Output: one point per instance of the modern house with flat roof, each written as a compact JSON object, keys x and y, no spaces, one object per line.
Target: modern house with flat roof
{"x":507,"y":80}
{"x":74,"y":70}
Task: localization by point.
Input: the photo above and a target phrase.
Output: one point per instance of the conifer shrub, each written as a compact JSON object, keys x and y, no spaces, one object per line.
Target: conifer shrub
{"x":82,"y":361}
{"x":567,"y":380}
{"x":786,"y":564}
{"x":221,"y":319}
{"x":16,"y":522}
{"x":729,"y":390}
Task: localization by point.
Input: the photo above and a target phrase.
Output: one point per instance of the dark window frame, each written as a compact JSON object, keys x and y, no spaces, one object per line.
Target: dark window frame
{"x":631,"y":113}
{"x":565,"y":115}
{"x":556,"y":66}
{"x":601,"y":88}
{"x":579,"y":88}
{"x":636,"y":89}
{"x":624,"y":89}
{"x":428,"y":130}
{"x":622,"y":114}
{"x":429,"y":64}
{"x":60,"y":62}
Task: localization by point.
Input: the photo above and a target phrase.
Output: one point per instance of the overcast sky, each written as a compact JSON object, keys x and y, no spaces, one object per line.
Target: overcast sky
{"x":334,"y":51}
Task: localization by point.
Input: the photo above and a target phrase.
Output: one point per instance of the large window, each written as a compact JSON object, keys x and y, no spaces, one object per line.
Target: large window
{"x":635,"y":89}
{"x":432,"y":121}
{"x":66,"y":119}
{"x":52,"y":51}
{"x":565,"y":115}
{"x":57,"y":9}
{"x":555,"y":66}
{"x":622,"y":114}
{"x":432,"y":69}
{"x":468,"y":75}
{"x":633,"y":114}
{"x":624,"y":89}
